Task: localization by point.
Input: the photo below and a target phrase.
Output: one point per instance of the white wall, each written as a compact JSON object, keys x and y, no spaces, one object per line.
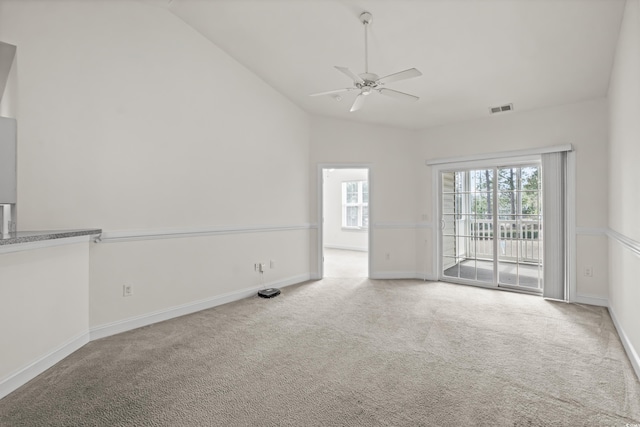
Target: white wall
{"x":624,"y":192}
{"x":392,"y":184}
{"x":129,"y":120}
{"x":335,"y":236}
{"x":584,"y":125}
{"x":44,"y":309}
{"x":402,"y":205}
{"x":8,"y":101}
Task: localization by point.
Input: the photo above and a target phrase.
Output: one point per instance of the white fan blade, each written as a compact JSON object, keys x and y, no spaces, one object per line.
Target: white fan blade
{"x":353,"y":76}
{"x":402,"y":75}
{"x":358,"y":103}
{"x":399,"y":95}
{"x":331,"y":92}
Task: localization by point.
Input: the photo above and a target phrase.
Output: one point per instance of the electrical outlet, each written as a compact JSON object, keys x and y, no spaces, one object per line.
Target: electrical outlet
{"x":272,"y":264}
{"x":262,"y":267}
{"x":588,"y":271}
{"x":127,"y":290}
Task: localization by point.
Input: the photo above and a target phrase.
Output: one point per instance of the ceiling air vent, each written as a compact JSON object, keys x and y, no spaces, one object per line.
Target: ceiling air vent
{"x":501,"y":109}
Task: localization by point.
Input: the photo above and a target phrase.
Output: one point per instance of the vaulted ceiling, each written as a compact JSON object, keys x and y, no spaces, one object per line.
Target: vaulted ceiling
{"x":473,"y":53}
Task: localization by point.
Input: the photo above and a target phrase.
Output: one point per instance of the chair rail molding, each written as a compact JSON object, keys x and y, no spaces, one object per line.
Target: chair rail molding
{"x":125,"y":236}
{"x":401,"y":224}
{"x":627,"y":242}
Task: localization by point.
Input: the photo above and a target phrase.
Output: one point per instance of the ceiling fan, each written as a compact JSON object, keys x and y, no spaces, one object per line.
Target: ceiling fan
{"x":368,"y":82}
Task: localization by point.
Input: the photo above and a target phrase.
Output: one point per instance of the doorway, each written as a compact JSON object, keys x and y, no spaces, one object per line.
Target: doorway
{"x":492,"y":227}
{"x":345,"y":219}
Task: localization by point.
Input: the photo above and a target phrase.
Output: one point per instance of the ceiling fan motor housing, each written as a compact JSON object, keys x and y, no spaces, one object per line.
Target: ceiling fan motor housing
{"x":369,"y":77}
{"x":370,"y":82}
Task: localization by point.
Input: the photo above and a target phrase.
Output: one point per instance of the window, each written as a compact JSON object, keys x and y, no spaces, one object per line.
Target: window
{"x":355,"y":204}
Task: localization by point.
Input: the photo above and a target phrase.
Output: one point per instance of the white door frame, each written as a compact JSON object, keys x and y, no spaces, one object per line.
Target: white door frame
{"x":437,"y":210}
{"x":493,"y":159}
{"x":320,"y":205}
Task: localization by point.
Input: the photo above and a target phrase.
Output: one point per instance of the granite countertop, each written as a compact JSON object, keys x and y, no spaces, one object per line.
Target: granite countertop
{"x":35,"y":236}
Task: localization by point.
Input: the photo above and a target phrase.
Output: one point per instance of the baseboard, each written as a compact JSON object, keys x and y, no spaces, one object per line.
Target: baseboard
{"x":427,"y":277}
{"x":347,"y":248}
{"x":120,"y":326}
{"x":631,"y":351}
{"x":26,"y":374}
{"x":391,"y":275}
{"x":586,"y":299}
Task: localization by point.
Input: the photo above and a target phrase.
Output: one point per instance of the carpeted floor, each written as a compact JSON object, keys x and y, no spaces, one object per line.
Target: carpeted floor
{"x":349,"y":352}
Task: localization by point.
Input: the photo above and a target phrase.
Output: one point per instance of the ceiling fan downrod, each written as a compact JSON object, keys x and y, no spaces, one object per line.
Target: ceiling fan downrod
{"x":366,"y":18}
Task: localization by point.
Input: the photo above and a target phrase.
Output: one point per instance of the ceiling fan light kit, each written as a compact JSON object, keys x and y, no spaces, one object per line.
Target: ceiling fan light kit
{"x":367,"y":82}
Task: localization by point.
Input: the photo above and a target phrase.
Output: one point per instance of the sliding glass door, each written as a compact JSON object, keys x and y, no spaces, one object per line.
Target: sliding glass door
{"x":491,"y":227}
{"x":467,"y":215}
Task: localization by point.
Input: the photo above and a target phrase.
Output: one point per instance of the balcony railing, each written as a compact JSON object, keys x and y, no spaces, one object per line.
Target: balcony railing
{"x":519,"y":240}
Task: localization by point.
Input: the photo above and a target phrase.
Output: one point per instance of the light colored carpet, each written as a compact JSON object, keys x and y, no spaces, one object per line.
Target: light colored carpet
{"x":348,"y":352}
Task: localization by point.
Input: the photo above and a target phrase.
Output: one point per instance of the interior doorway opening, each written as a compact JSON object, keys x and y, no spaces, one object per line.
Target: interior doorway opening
{"x":344,"y":205}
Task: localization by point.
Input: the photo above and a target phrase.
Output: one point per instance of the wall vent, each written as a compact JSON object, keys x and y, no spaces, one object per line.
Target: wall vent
{"x":501,"y":109}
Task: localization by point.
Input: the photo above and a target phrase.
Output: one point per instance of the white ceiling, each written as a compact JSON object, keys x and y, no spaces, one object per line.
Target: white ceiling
{"x":473,"y":53}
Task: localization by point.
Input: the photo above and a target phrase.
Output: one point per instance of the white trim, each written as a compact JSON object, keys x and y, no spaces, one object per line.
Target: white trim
{"x":555,"y":300}
{"x":627,"y":242}
{"x":401,"y":275}
{"x":346,"y":248}
{"x":590,"y":300}
{"x":29,"y":372}
{"x":497,"y":162}
{"x":40,"y":244}
{"x":120,"y":326}
{"x":626,"y":342}
{"x":502,"y":154}
{"x":354,"y":229}
{"x":126,"y":236}
{"x":320,"y":218}
{"x":401,"y":224}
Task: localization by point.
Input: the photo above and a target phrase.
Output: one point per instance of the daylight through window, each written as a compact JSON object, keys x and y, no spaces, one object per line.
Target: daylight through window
{"x":355,"y":204}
